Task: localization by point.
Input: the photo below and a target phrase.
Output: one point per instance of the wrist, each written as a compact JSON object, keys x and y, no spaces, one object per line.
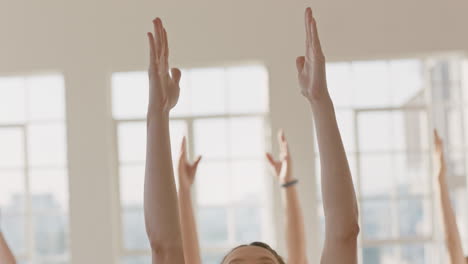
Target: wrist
{"x":290,"y":183}
{"x":323,"y":101}
{"x":157,"y":116}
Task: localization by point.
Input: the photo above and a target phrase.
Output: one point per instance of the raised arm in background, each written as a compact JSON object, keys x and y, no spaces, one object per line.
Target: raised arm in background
{"x":160,"y":197}
{"x":187,"y":172}
{"x":295,"y":233}
{"x":6,"y":256}
{"x":452,"y":235}
{"x":339,"y":199}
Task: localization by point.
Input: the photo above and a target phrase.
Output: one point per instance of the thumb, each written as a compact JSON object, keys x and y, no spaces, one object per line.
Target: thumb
{"x":300,"y":63}
{"x":176,"y":75}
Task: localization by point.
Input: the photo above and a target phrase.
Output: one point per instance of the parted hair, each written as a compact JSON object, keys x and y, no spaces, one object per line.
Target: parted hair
{"x":262,"y":245}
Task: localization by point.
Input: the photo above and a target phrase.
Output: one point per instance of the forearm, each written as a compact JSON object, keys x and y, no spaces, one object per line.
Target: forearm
{"x":453,"y":240}
{"x":189,"y":228}
{"x":339,"y":199}
{"x":160,"y":198}
{"x":6,"y":256}
{"x":295,"y":233}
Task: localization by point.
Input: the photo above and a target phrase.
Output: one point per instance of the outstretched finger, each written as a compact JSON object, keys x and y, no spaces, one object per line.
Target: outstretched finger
{"x":183,"y":147}
{"x":308,"y":42}
{"x":157,"y":39}
{"x":176,"y":75}
{"x":270,"y":159}
{"x":195,"y":164}
{"x":316,"y":46}
{"x":165,"y":57}
{"x":282,"y":141}
{"x":300,"y":63}
{"x":152,"y":49}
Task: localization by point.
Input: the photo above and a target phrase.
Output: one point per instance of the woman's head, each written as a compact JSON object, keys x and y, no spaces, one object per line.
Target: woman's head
{"x":256,"y":252}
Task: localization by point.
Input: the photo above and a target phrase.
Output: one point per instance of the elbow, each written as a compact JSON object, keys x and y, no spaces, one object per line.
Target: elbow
{"x":165,"y":250}
{"x":344,"y":234}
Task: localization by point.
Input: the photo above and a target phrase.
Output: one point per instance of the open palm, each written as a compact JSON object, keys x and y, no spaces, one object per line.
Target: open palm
{"x":311,"y":67}
{"x":164,"y":88}
{"x":282,"y":167}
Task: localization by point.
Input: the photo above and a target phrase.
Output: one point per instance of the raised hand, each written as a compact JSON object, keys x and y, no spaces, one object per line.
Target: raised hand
{"x":311,"y":67}
{"x":439,"y":154}
{"x":283,"y":166}
{"x":186,"y":169}
{"x":164,"y":88}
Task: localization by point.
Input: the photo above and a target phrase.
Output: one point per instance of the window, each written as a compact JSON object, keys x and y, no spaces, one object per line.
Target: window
{"x":33,"y":168}
{"x":386,"y":113}
{"x":224,"y":113}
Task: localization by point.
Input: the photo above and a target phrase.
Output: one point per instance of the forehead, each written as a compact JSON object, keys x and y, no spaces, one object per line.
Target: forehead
{"x":250,"y":254}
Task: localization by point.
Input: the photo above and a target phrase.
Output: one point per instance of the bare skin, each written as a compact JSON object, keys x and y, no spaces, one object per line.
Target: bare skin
{"x":160,"y":198}
{"x":453,"y":240}
{"x":295,"y":235}
{"x":6,"y":256}
{"x":187,"y":172}
{"x":339,"y":198}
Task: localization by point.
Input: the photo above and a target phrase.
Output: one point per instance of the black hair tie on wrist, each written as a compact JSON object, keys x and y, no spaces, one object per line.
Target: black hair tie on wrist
{"x":289,"y":184}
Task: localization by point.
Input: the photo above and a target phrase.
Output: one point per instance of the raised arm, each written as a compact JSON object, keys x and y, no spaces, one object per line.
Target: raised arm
{"x":160,"y":198}
{"x":339,"y":199}
{"x":295,"y":235}
{"x":6,"y":256}
{"x":454,"y":244}
{"x":187,"y":173}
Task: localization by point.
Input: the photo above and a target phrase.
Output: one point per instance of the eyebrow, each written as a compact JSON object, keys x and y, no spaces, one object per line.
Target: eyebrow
{"x":236,"y":260}
{"x":265,"y":258}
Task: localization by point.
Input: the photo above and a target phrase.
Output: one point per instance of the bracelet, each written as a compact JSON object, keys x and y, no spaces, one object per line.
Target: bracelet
{"x":289,"y":184}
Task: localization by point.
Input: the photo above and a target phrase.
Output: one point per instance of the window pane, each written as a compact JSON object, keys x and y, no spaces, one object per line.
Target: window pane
{"x":132,"y":141}
{"x":51,"y":234}
{"x":371,"y":83}
{"x":49,"y":190}
{"x":247,"y":137}
{"x":131,"y":185}
{"x":134,"y":232}
{"x":340,"y":83}
{"x":376,"y":219}
{"x":379,"y":255}
{"x":406,"y":81}
{"x":414,"y":217}
{"x":136,"y":260}
{"x":410,"y":131}
{"x":12,"y":100}
{"x":413,"y":173}
{"x":47,"y":145}
{"x":12,"y":147}
{"x":248,"y":89}
{"x":211,"y":138}
{"x":208,"y":91}
{"x":248,"y":224}
{"x":248,"y":181}
{"x":208,"y":258}
{"x":213,"y":183}
{"x":46,"y":98}
{"x":375,"y":131}
{"x":13,"y":228}
{"x":212,"y":222}
{"x":12,"y":190}
{"x":414,"y":254}
{"x":377,"y":172}
{"x":130,"y":95}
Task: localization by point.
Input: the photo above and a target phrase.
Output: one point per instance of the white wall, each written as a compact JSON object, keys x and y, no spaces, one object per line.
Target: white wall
{"x":87,"y":40}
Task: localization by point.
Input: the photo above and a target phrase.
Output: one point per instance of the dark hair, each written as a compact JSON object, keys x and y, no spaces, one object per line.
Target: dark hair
{"x":262,"y":245}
